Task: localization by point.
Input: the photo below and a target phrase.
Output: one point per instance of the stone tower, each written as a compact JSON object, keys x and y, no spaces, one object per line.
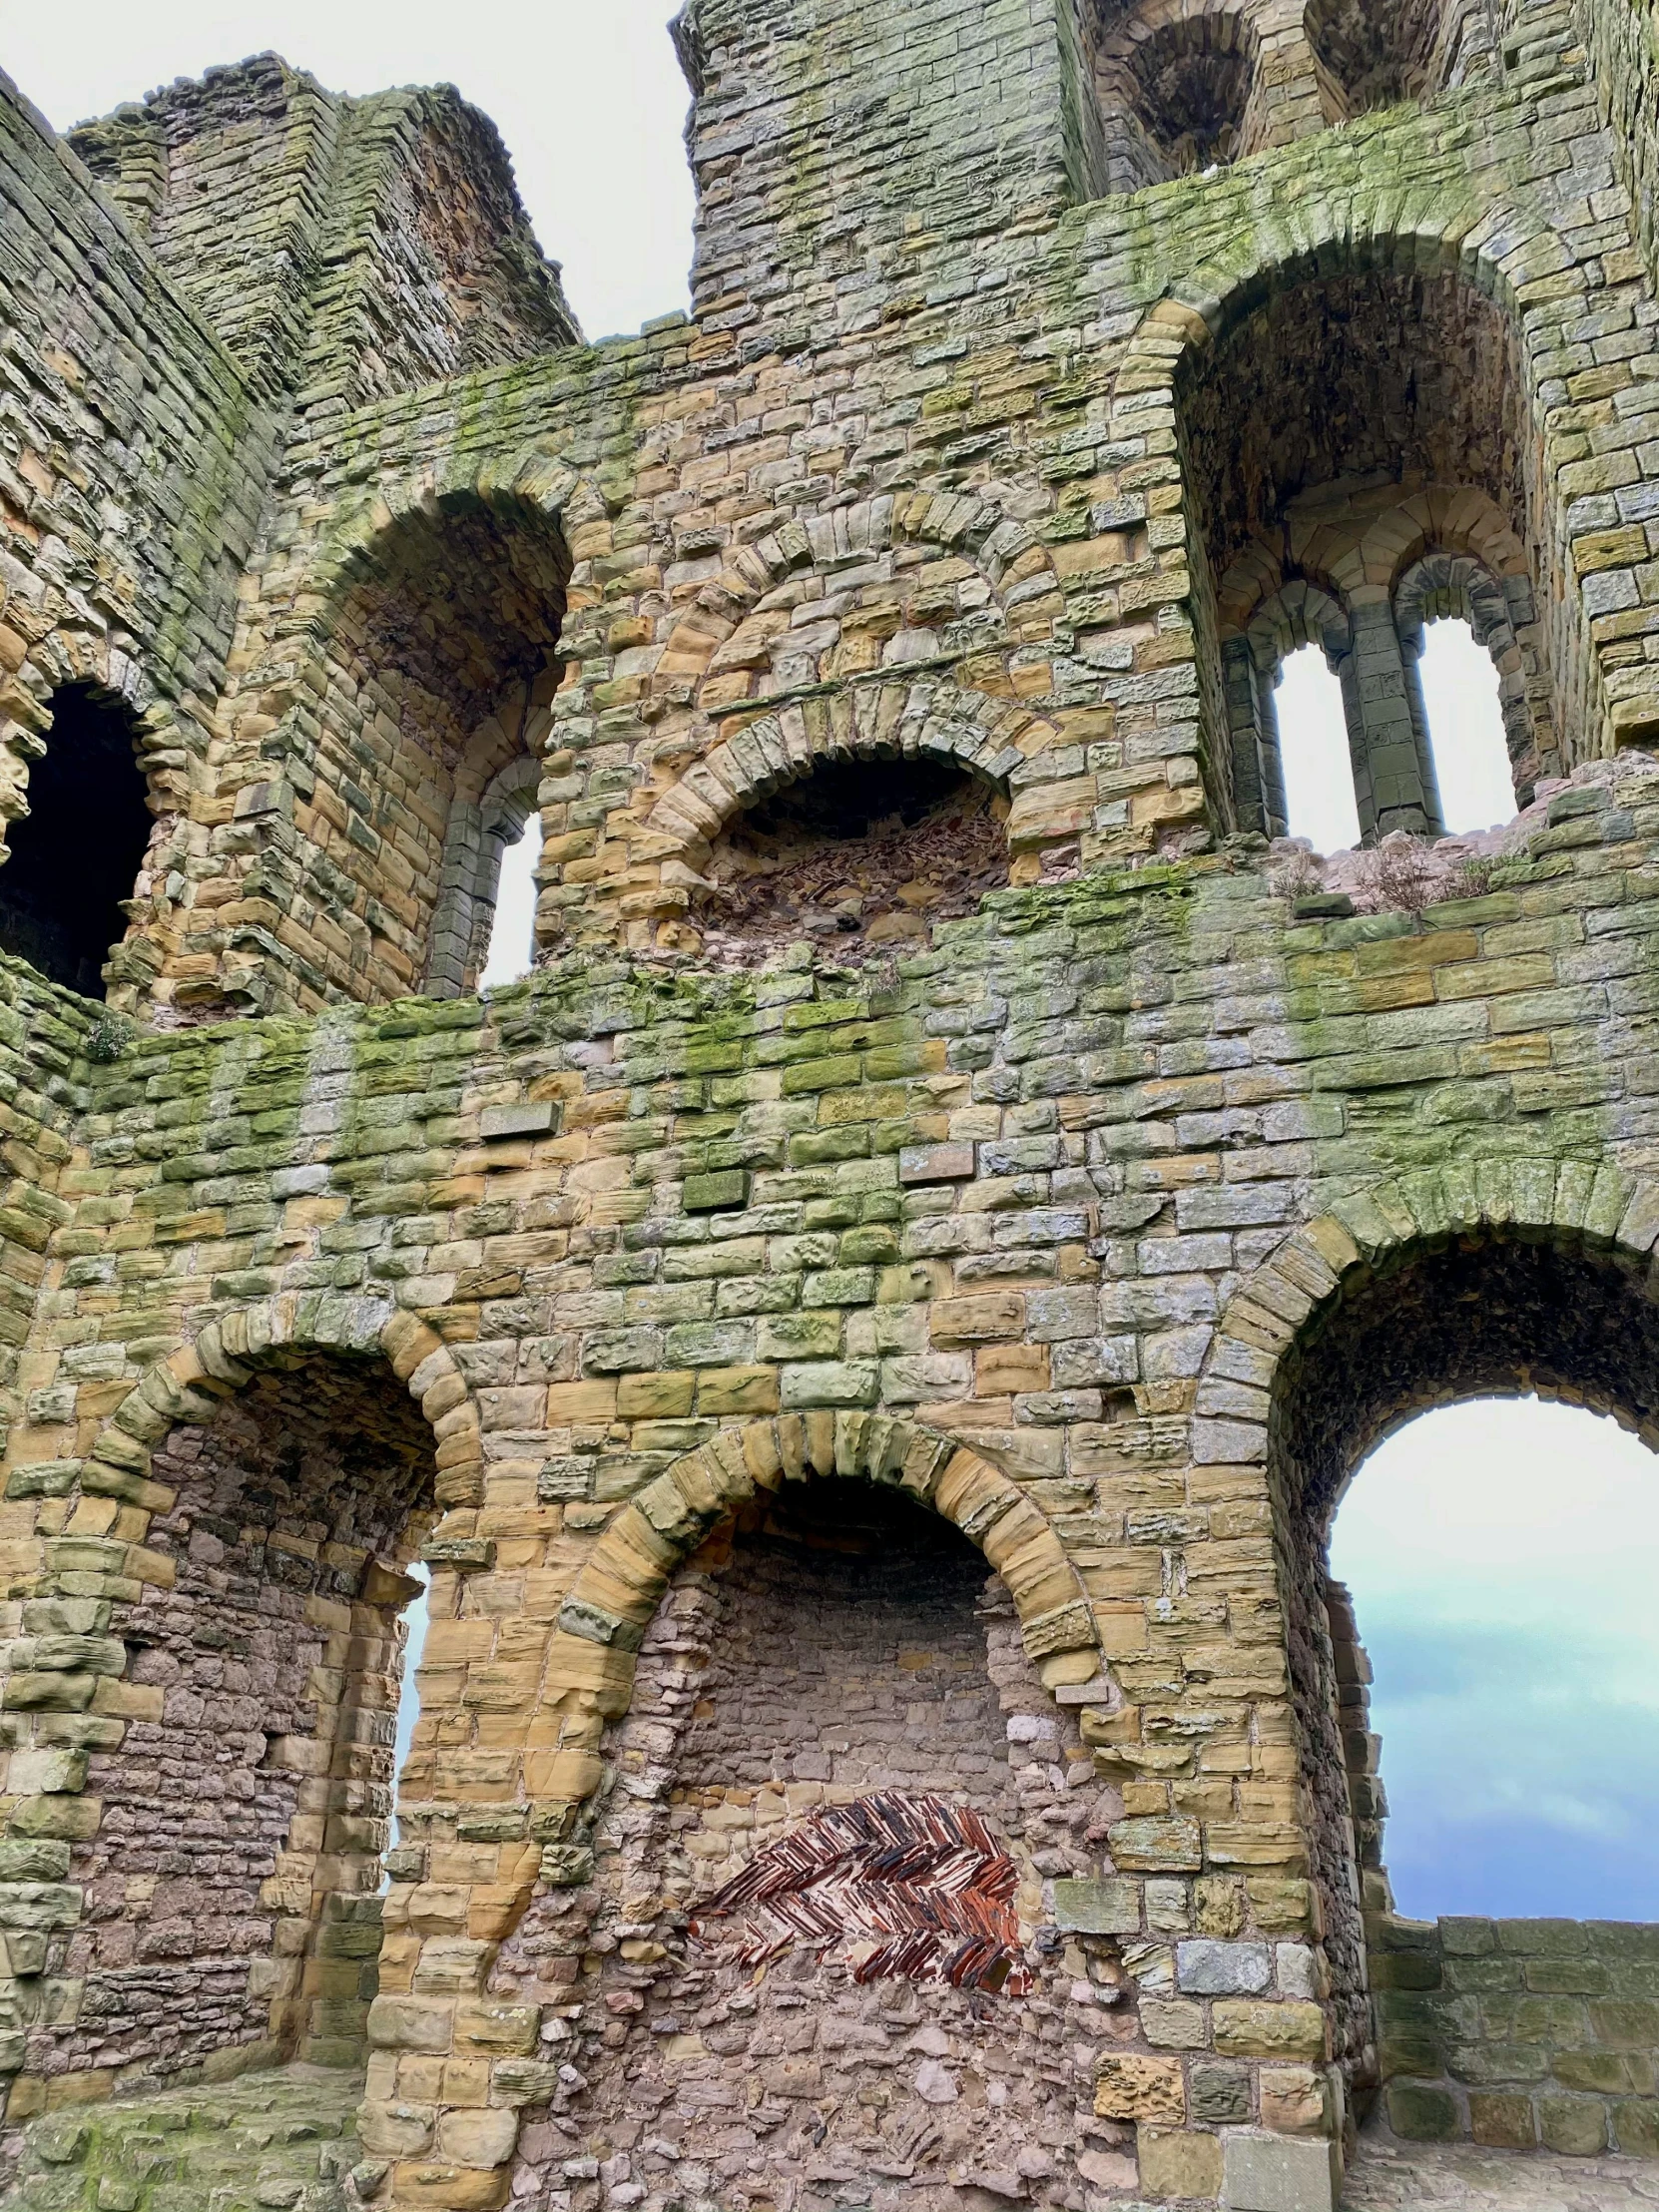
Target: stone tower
{"x":868,"y":1339}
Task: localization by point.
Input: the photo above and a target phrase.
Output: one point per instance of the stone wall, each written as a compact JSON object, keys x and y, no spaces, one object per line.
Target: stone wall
{"x":1076,"y":1216}
{"x":845,"y":1650}
{"x":1520,"y":2032}
{"x":229,"y":1893}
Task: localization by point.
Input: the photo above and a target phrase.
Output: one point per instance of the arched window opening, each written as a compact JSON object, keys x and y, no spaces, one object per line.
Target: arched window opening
{"x":1313,"y":745}
{"x":1473,"y":649}
{"x":1542,"y":1316}
{"x":1514,"y":1641}
{"x":1466,"y":729}
{"x":1407,"y":430}
{"x":483,"y":931}
{"x":443,"y":631}
{"x":870,"y":851}
{"x":512,"y":939}
{"x":1174,"y":95}
{"x":75,"y":856}
{"x":232,"y":1886}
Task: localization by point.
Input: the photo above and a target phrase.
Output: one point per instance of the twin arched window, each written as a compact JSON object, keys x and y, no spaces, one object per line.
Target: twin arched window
{"x":1373,"y":642}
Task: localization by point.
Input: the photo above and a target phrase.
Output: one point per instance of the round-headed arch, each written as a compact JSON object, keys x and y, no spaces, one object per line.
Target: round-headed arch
{"x":1587,"y":1213}
{"x":589,"y":1678}
{"x":190,"y":1383}
{"x":904,"y":718}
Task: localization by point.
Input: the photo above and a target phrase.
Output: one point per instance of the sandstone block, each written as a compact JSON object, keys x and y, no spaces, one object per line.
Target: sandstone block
{"x":1131,"y":2088}
{"x":1274,"y":2174}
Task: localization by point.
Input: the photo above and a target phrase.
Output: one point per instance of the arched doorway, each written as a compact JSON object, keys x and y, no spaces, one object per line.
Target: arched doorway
{"x":1491,"y":1312}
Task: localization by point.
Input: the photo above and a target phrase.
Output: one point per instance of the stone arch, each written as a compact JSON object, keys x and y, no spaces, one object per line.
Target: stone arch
{"x":952,"y":597}
{"x":1502,"y":615}
{"x":589,"y":1672}
{"x":587,"y":1677}
{"x":899,"y":719}
{"x":1178,"y":89}
{"x":323,"y":1884}
{"x":1295,"y":612}
{"x":1473,"y":253}
{"x":164,"y":735}
{"x":1376,"y":55}
{"x":536,"y":486}
{"x":1562,"y":1247}
{"x":440,"y":598}
{"x":967,"y":522}
{"x":188,"y":1383}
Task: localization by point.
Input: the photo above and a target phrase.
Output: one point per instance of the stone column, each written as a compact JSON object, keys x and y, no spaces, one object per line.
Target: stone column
{"x":1393,"y":777}
{"x":1288,"y":100}
{"x":1253,"y":723}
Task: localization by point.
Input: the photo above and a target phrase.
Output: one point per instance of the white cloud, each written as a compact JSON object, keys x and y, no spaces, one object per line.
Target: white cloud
{"x":589,"y":100}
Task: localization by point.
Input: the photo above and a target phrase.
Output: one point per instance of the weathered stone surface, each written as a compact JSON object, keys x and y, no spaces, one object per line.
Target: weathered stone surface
{"x":935,"y":1093}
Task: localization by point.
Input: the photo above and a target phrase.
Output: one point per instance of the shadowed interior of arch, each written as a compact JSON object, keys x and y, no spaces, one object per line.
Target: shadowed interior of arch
{"x":873,"y":848}
{"x":233,"y":1885}
{"x":76,"y":855}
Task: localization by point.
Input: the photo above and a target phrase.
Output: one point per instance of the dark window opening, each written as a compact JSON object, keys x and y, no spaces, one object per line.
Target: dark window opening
{"x":1172,"y":96}
{"x":869,"y":850}
{"x":76,"y":855}
{"x":1192,"y":100}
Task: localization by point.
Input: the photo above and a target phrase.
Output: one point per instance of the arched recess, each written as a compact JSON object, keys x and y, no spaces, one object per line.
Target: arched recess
{"x":898,"y":720}
{"x":612,"y":1598}
{"x":1503,"y":1275}
{"x":925,"y":719}
{"x":1415,"y":367}
{"x":1377,"y":55}
{"x":587,"y":1681}
{"x":436,"y":607}
{"x":226,"y":1471}
{"x":1177,"y":89}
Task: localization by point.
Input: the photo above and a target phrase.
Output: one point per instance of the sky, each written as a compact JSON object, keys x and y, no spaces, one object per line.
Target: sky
{"x":587,"y":94}
{"x":1465,"y":732}
{"x":1509,"y":1612}
{"x":1501,"y":1557}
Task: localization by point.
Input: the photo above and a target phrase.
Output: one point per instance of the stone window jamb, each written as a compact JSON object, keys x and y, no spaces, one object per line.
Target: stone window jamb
{"x":478,"y":835}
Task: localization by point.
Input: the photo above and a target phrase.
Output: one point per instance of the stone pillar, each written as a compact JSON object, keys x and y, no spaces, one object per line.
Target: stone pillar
{"x":1253,"y":723}
{"x":1288,"y":100}
{"x":1410,"y":655}
{"x":1386,"y":731}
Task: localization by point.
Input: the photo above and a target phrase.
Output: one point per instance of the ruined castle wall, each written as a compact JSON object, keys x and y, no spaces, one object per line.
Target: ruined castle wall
{"x":820,"y":143}
{"x":1011,"y":1198}
{"x":228,"y":182}
{"x":769,"y":562}
{"x":429,"y":266}
{"x":1028,"y":1220}
{"x":343,"y":249}
{"x":1521,"y":2032}
{"x":121,"y":561}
